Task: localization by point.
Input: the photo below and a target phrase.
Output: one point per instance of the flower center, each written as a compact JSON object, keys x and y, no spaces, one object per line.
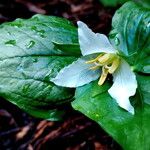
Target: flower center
{"x":108,"y":62}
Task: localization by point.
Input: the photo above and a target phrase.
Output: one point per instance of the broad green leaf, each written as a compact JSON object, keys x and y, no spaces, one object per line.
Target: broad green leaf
{"x":131,"y":35}
{"x":112,"y":3}
{"x":45,"y":113}
{"x":68,"y":48}
{"x":29,"y":59}
{"x":144,"y":86}
{"x":144,"y":3}
{"x":130,"y":131}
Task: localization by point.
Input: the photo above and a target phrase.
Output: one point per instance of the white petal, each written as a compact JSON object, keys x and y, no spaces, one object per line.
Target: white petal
{"x":124,"y":86}
{"x":92,"y":43}
{"x":76,"y":74}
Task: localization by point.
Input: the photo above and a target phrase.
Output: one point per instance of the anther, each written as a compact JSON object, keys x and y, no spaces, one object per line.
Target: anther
{"x":114,"y":66}
{"x":103,"y":76}
{"x":94,"y":67}
{"x":94,"y":60}
{"x":104,"y":58}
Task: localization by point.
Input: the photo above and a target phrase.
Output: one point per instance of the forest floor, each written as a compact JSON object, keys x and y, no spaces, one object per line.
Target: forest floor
{"x":20,"y":131}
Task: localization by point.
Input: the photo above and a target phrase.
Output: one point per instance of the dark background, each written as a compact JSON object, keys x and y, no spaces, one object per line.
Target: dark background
{"x":20,"y":131}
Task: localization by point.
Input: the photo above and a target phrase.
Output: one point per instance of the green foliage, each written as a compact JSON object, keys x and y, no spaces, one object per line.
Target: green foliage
{"x":33,"y":51}
{"x":131,"y":37}
{"x":69,"y":48}
{"x":112,"y":3}
{"x":131,"y":131}
{"x":144,"y":3}
{"x":29,"y":59}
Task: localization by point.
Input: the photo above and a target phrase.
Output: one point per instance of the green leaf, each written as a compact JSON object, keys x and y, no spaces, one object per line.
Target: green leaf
{"x":112,"y":3}
{"x":144,"y":3}
{"x":131,"y":35}
{"x":45,"y":113}
{"x":130,"y":131}
{"x":29,"y":59}
{"x":144,"y":84}
{"x":68,"y":48}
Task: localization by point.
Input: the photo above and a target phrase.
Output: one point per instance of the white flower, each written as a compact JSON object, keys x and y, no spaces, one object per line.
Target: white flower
{"x":99,"y":53}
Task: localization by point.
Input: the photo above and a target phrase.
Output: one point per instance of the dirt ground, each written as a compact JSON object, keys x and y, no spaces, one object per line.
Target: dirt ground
{"x":20,"y":131}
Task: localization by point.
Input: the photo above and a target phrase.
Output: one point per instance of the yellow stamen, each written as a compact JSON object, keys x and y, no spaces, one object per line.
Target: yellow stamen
{"x":94,"y":67}
{"x":104,"y":58}
{"x":114,"y":66}
{"x":93,"y":60}
{"x":108,"y":62}
{"x":107,"y":59}
{"x":103,"y":76}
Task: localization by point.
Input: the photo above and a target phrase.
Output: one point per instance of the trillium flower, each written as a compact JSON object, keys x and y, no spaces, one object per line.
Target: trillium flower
{"x":99,"y":59}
